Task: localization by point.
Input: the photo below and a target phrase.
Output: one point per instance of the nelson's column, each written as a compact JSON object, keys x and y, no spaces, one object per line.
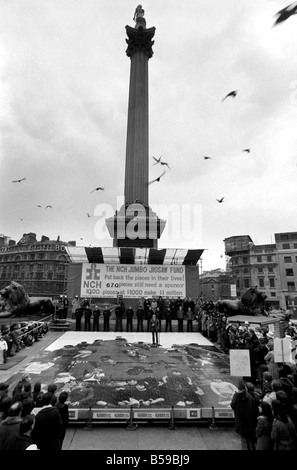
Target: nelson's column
{"x":135,"y":224}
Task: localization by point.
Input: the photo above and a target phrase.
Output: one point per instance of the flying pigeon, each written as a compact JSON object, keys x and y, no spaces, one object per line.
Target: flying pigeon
{"x":231,"y":94}
{"x":158,"y":160}
{"x":157,"y":179}
{"x":221,"y":200}
{"x":39,"y":205}
{"x":164,"y":163}
{"x":247,"y":150}
{"x":88,"y":214}
{"x":285,"y":13}
{"x":48,"y":206}
{"x":18,"y":181}
{"x":98,"y":189}
{"x":207,"y":158}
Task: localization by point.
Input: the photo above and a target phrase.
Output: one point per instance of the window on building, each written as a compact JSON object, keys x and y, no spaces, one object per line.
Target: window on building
{"x":49,"y":275}
{"x":260,"y":270}
{"x":289,"y":272}
{"x":272,"y":282}
{"x":245,"y":270}
{"x":40,"y":255}
{"x":273,"y":294}
{"x":31,"y":267}
{"x":286,"y":246}
{"x":237,"y":283}
{"x":291,"y":286}
{"x":295,"y":245}
{"x":40,"y":267}
{"x":32,"y":256}
{"x":270,"y":270}
{"x":259,"y":259}
{"x":246,"y":283}
{"x":39,"y":275}
{"x":288,"y":259}
{"x":235,"y":260}
{"x":269,"y":258}
{"x":244,"y":260}
{"x":261,"y":281}
{"x":284,"y":236}
{"x":60,"y":277}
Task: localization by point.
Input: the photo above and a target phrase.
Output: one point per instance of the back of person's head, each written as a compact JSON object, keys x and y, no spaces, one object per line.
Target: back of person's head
{"x":37,"y":387}
{"x":267,"y":376}
{"x":279,"y":410}
{"x":15,"y":409}
{"x":250,"y":387}
{"x":39,"y":400}
{"x":241,"y":385}
{"x":52,"y":388}
{"x":266,"y":410}
{"x":5,"y":404}
{"x":27,"y":423}
{"x":282,"y":396}
{"x":63,"y":397}
{"x":28,"y":404}
{"x":275,"y":385}
{"x":282,"y":373}
{"x":47,"y":398}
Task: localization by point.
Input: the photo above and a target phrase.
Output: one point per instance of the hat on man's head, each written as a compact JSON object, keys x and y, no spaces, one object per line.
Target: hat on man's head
{"x":246,"y":323}
{"x":270,"y":335}
{"x":3,"y":386}
{"x":25,"y":377}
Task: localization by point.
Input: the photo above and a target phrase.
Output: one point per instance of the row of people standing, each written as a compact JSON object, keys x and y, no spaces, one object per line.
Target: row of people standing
{"x":165,"y":310}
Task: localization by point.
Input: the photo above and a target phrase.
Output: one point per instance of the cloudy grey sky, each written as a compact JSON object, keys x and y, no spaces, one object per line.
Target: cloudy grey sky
{"x":64,"y":81}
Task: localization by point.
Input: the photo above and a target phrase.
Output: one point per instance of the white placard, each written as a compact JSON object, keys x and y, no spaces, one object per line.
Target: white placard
{"x":132,"y":281}
{"x":240,"y":362}
{"x":282,"y":349}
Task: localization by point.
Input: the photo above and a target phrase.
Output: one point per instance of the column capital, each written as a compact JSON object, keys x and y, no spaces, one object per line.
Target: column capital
{"x":140,"y":40}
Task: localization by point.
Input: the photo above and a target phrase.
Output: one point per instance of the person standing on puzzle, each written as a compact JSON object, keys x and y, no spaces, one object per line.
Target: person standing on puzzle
{"x":154,"y":327}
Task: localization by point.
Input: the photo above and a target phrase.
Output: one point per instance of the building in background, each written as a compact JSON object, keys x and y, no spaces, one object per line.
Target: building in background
{"x":271,"y":268}
{"x":215,"y":285}
{"x":40,"y":266}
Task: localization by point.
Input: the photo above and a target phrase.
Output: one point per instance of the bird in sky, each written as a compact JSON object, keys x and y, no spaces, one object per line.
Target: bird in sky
{"x":157,"y":179}
{"x":231,"y":94}
{"x":48,"y":206}
{"x":19,"y":181}
{"x":21,"y":218}
{"x":285,"y":13}
{"x":221,"y":200}
{"x":39,"y":205}
{"x":164,"y":163}
{"x":247,"y":150}
{"x":97,"y":189}
{"x":88,"y":214}
{"x":158,"y":160}
{"x":206,"y":158}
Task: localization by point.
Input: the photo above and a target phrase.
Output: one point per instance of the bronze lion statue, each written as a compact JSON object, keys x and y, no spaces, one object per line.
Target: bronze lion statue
{"x":16,"y":302}
{"x":251,"y":303}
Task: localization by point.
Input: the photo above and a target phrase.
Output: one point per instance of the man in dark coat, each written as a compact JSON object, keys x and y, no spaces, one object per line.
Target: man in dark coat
{"x":78,"y":316}
{"x":96,"y":315}
{"x":168,"y":319}
{"x":22,"y":440}
{"x":129,"y":316}
{"x":242,"y":404}
{"x":87,"y":314}
{"x":47,"y":431}
{"x":119,"y":318}
{"x":11,"y":425}
{"x":106,"y":317}
{"x":140,"y":317}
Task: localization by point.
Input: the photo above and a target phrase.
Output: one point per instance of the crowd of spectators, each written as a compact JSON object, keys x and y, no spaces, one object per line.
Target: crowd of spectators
{"x":32,"y":418}
{"x":17,"y":336}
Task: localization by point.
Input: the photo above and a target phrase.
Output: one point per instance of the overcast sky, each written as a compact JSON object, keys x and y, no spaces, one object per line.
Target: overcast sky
{"x":63,"y":114}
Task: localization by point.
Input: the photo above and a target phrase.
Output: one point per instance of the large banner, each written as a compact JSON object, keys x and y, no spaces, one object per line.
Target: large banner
{"x":132,"y":281}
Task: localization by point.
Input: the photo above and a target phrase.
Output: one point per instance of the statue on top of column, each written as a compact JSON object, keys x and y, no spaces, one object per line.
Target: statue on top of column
{"x":139,"y":13}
